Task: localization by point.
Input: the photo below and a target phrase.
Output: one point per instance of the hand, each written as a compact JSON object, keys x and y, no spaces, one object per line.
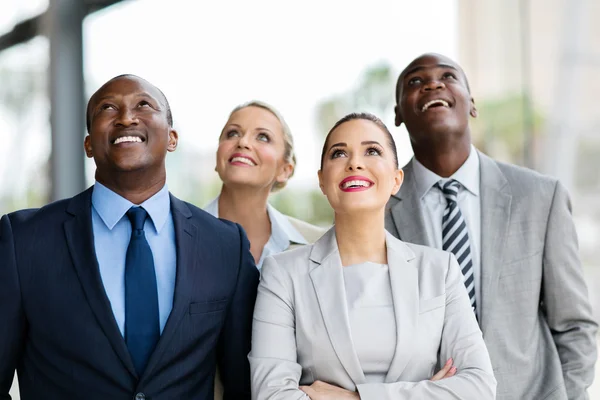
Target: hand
{"x":448,"y":371}
{"x":324,"y":391}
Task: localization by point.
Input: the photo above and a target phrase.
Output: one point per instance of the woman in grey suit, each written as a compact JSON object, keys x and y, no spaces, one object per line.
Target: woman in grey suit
{"x":360,"y":314}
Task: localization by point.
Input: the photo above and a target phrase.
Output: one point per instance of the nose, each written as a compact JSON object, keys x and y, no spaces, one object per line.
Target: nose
{"x":433,"y":84}
{"x":126,"y":118}
{"x":354,"y":163}
{"x":243,"y":141}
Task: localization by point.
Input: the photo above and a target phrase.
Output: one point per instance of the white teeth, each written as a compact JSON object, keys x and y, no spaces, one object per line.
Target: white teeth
{"x":432,"y":102}
{"x":346,"y":185}
{"x":128,"y":139}
{"x":242,"y":160}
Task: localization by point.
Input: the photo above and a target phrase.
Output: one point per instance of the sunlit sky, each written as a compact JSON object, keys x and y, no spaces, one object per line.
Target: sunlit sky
{"x":209,"y":57}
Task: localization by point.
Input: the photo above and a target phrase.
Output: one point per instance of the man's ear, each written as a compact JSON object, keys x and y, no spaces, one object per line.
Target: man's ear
{"x":173,"y":140}
{"x":398,"y":120}
{"x":473,"y":111}
{"x":87,"y":146}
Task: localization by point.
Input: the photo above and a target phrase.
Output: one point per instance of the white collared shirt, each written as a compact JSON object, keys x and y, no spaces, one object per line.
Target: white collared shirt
{"x":283,"y":233}
{"x":469,"y":202}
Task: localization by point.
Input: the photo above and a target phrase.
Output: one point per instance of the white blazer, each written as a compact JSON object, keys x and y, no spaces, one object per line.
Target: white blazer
{"x":301,"y":332}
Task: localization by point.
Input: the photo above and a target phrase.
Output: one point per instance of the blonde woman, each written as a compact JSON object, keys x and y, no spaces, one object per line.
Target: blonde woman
{"x":256,"y":158}
{"x":360,"y":314}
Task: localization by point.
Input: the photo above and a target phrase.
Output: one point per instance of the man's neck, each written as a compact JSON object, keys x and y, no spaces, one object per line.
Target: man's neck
{"x":132,"y":186}
{"x":444,"y":159}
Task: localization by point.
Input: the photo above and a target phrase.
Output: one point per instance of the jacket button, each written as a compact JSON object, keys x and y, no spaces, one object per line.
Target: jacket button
{"x":140,"y":396}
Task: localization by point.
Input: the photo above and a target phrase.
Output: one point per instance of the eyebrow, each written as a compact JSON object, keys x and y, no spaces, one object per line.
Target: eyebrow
{"x":344,"y":144}
{"x":421,"y":67}
{"x":259,"y":128}
{"x":140,"y":95}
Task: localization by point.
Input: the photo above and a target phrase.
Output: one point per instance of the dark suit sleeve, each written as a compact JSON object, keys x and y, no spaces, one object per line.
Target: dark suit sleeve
{"x":235,"y":339}
{"x":565,"y":297}
{"x":12,"y":318}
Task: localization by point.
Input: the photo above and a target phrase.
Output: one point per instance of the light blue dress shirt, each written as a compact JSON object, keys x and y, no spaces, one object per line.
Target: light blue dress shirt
{"x":112,"y":231}
{"x":283,"y":233}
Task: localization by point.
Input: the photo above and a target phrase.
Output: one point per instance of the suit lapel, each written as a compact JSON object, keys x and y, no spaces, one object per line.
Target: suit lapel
{"x":328,"y":281}
{"x":185,"y":237}
{"x":405,"y":293}
{"x":80,"y":240}
{"x":496,"y":199}
{"x":407,"y":213}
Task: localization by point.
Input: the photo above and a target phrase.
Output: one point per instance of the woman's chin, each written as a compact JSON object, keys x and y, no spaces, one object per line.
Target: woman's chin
{"x":358,"y":208}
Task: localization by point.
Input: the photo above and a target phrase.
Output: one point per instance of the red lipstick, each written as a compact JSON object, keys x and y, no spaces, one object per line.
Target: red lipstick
{"x":357,"y":186}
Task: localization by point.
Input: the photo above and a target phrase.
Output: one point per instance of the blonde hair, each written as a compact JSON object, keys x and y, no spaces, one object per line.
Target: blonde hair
{"x":288,"y":155}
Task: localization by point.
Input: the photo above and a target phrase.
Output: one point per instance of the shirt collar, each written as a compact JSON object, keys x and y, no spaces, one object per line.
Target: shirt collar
{"x":467,"y":175}
{"x":282,"y":231}
{"x":111,"y":207}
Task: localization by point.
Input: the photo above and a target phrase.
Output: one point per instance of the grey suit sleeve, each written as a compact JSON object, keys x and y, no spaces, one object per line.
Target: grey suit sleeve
{"x":565,"y":299}
{"x":273,"y":359}
{"x":12,"y":327}
{"x":462,"y":341}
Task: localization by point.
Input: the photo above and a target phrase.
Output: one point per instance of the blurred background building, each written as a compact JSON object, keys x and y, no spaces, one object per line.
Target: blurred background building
{"x":533,"y":66}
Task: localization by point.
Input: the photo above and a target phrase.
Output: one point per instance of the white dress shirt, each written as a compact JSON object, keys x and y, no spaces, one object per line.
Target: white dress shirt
{"x":469,"y":202}
{"x":283,"y":232}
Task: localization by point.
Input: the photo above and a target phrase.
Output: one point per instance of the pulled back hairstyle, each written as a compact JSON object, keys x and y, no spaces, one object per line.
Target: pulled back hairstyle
{"x":289,"y":156}
{"x":367,"y":117}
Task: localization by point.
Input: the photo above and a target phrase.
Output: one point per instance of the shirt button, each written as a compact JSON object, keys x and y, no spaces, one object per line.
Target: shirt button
{"x":140,"y":396}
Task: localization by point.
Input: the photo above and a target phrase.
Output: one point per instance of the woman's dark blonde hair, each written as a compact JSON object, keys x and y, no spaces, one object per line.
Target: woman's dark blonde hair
{"x":288,"y":155}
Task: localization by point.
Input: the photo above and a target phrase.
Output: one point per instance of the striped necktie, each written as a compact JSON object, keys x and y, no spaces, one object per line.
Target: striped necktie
{"x":455,"y":235}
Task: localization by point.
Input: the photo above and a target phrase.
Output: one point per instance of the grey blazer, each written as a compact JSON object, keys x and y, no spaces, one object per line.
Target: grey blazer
{"x":536,"y":318}
{"x":301,"y":331}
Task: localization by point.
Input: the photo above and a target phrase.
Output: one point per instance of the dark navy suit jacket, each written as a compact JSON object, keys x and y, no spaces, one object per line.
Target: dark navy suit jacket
{"x":58,"y":331}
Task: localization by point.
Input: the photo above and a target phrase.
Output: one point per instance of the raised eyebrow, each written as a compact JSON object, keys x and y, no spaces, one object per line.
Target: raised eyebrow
{"x":340,"y":144}
{"x":148,"y":97}
{"x":421,"y":68}
{"x":368,"y":142}
{"x":264,"y":129}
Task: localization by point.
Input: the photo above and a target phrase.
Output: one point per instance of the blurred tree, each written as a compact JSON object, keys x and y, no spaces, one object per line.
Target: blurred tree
{"x":21,"y":91}
{"x":498,"y":129}
{"x":374,"y":93}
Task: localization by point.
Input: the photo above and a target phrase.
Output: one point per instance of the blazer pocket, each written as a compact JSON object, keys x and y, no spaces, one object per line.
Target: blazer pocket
{"x":208,"y":307}
{"x":432,"y":304}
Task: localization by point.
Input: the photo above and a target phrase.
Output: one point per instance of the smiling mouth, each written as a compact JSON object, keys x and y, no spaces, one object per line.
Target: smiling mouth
{"x":128,"y":139}
{"x":435,"y":103}
{"x":355,"y":184}
{"x":242,"y":160}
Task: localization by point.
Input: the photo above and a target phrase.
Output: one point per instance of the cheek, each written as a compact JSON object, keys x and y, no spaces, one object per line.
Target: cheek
{"x":330,"y":178}
{"x":224,"y":150}
{"x":269,"y":154}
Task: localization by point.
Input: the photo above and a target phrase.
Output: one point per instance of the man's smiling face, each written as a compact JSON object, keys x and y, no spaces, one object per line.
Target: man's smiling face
{"x":128,"y":127}
{"x":433,"y":99}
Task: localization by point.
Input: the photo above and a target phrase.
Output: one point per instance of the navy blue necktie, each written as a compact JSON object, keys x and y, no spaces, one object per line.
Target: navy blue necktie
{"x":142,"y":329}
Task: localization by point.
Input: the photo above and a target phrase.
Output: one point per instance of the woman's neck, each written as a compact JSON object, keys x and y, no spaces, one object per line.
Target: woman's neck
{"x":361,"y":237}
{"x":247,"y":207}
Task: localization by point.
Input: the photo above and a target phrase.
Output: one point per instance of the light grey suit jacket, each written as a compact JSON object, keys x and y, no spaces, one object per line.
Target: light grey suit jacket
{"x":536,"y":318}
{"x":301,"y":331}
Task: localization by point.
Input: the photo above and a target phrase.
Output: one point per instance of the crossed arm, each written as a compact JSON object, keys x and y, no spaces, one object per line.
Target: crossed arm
{"x":276,"y":372}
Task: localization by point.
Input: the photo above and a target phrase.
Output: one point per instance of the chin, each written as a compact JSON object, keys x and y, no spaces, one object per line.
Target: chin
{"x":356,"y":208}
